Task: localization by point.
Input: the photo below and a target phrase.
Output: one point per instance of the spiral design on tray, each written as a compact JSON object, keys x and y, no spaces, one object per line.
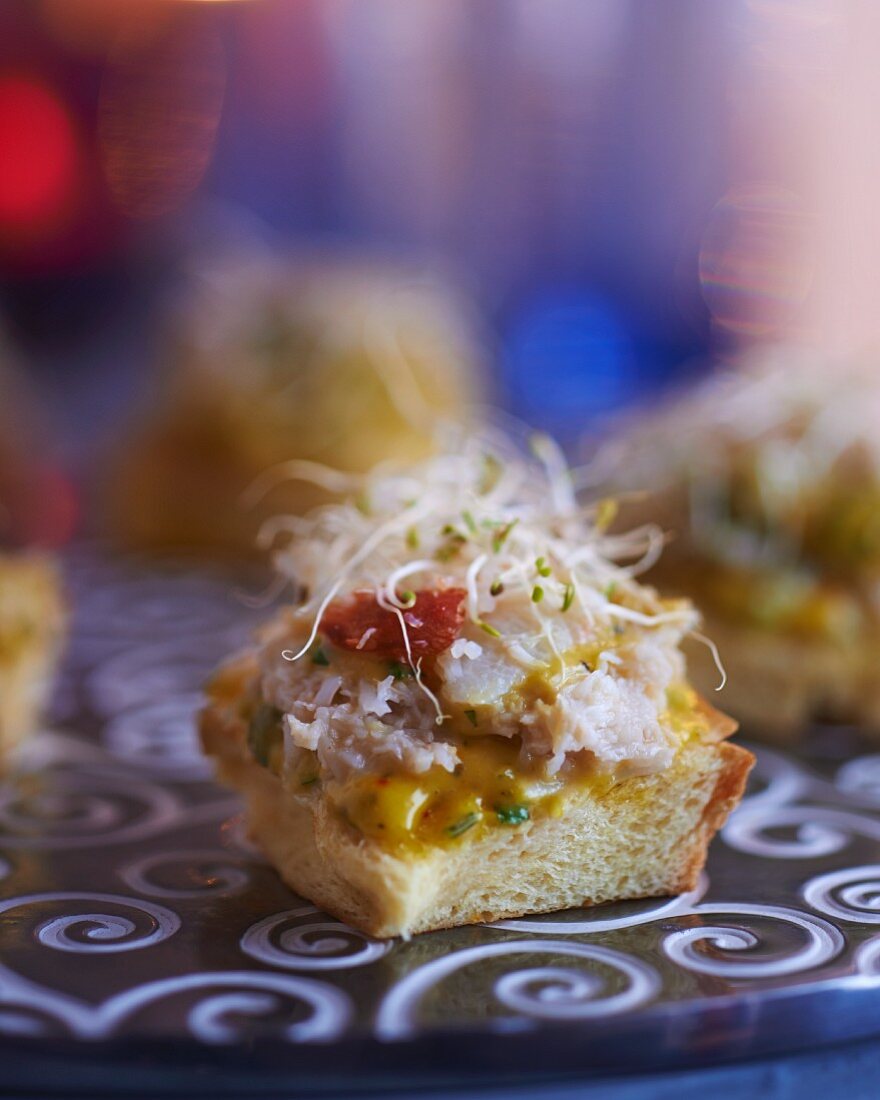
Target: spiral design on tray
{"x":818,"y":831}
{"x":687,"y":947}
{"x":144,"y":605}
{"x":860,"y":778}
{"x":99,"y":932}
{"x":160,"y":736}
{"x":142,"y":674}
{"x":550,"y":992}
{"x":867,"y":960}
{"x":79,"y":807}
{"x":233,"y":1000}
{"x":202,"y":872}
{"x":852,"y":894}
{"x":284,"y":940}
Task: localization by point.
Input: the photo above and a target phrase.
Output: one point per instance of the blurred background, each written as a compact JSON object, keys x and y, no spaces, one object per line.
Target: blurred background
{"x":593,"y":199}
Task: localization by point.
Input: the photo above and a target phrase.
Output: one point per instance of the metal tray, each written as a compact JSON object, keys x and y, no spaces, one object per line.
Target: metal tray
{"x":142,"y":939}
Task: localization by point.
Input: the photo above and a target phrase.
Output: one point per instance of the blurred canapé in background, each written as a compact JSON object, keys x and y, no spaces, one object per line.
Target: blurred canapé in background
{"x":623,"y":192}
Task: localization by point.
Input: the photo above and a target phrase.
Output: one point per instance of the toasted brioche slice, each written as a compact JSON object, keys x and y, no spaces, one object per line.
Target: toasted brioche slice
{"x":644,"y":837}
{"x":31,"y":628}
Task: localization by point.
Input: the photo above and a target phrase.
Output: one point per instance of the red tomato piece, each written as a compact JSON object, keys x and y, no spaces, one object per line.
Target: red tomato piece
{"x":359,"y":624}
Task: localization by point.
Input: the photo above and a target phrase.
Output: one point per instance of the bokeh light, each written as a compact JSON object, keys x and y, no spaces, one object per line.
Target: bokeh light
{"x":755,"y":266}
{"x":568,"y":356}
{"x":158,"y":114}
{"x":39,"y":158}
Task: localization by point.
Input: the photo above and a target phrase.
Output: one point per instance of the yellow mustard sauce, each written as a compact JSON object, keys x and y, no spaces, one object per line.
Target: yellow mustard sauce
{"x":493,"y":787}
{"x":490,"y":788}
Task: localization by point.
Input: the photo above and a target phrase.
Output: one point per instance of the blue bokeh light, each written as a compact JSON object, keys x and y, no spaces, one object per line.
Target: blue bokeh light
{"x":567,"y":357}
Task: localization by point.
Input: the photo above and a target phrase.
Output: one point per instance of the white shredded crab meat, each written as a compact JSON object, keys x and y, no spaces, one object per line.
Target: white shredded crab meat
{"x":540,"y":578}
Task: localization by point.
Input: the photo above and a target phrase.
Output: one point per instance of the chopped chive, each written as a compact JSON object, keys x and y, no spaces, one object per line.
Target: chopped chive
{"x":490,"y":630}
{"x":412,"y":538}
{"x":463,"y":824}
{"x":542,"y":567}
{"x":609,"y":590}
{"x":470,"y":522}
{"x":499,"y":540}
{"x":471,"y":716}
{"x":512,"y":815}
{"x":496,"y":588}
{"x":408,"y":597}
{"x":537,"y":594}
{"x":319,"y":657}
{"x":400,"y":671}
{"x":568,"y":596}
{"x":362,"y":504}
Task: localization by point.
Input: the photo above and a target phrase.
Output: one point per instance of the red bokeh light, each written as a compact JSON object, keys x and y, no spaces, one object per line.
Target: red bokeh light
{"x":39,"y":157}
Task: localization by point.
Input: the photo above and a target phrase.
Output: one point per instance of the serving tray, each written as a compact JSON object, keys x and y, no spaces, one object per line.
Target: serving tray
{"x":141,"y":934}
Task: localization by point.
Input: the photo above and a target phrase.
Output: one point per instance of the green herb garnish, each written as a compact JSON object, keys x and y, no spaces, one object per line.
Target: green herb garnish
{"x":490,"y":630}
{"x":469,"y":522}
{"x":463,"y":824}
{"x":412,"y":538}
{"x":512,"y":815}
{"x":537,"y":594}
{"x":496,"y":588}
{"x":609,"y":590}
{"x":471,"y":716}
{"x":568,"y":596}
{"x":400,"y":671}
{"x":319,"y":657}
{"x":542,"y":567}
{"x":264,"y":732}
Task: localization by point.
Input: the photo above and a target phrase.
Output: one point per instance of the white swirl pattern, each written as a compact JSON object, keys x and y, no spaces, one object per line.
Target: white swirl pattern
{"x":824,"y":942}
{"x":819,"y":831}
{"x":82,"y":807}
{"x":541,"y":993}
{"x":315,"y":945}
{"x":99,"y":932}
{"x":207,"y":872}
{"x":849,"y":895}
{"x":860,"y":778}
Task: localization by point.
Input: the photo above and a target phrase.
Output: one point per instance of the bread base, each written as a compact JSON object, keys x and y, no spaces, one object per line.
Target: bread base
{"x":646,"y":837}
{"x":777,"y":684}
{"x":32,"y":620}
